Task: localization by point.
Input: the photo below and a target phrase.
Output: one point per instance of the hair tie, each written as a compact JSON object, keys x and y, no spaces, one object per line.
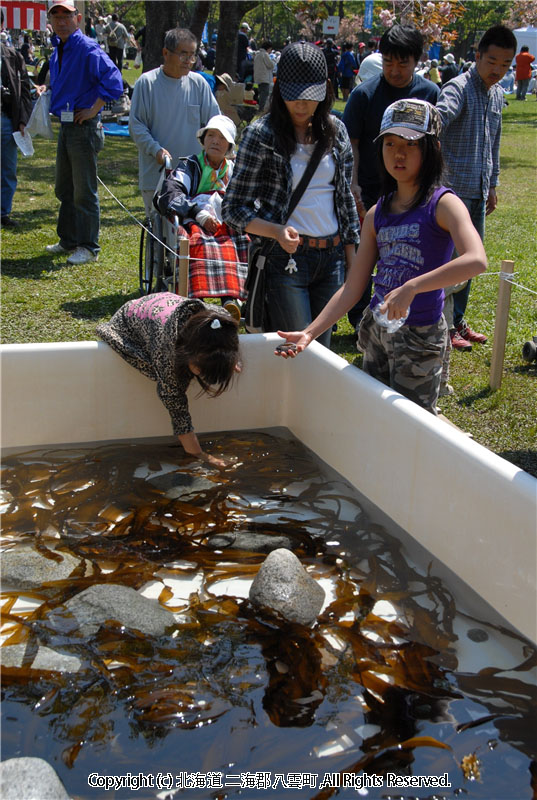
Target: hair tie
{"x":215,"y":324}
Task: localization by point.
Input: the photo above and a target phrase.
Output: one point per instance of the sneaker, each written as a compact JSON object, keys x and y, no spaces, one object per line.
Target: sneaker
{"x":57,"y":249}
{"x":81,"y":256}
{"x":457,"y":342}
{"x":233,"y":307}
{"x":470,"y":335}
{"x":7,"y":222}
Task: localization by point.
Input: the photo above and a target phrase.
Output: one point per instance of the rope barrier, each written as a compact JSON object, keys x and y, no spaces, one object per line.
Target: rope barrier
{"x":170,"y":249}
{"x":508,"y":277}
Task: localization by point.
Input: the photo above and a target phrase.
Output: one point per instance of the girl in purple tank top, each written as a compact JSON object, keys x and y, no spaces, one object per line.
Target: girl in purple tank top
{"x":410,"y":235}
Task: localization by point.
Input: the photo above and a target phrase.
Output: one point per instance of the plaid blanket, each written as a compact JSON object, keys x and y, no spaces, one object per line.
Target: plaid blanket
{"x":218,"y":262}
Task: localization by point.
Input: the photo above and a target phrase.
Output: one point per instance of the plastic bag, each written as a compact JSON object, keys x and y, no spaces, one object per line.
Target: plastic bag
{"x":24,"y":142}
{"x":39,"y":123}
{"x":138,"y":59}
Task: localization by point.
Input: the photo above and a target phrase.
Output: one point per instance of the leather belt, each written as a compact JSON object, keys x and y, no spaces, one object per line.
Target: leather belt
{"x":320,"y":244}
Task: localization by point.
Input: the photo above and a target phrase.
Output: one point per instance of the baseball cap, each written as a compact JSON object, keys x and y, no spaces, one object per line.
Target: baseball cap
{"x":411,"y":119}
{"x":302,"y":72}
{"x":450,"y":58}
{"x":221,"y":123}
{"x":61,"y":4}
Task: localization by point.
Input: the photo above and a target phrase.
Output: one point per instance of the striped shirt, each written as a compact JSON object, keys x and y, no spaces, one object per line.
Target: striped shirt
{"x":471,"y":130}
{"x":262,"y":182}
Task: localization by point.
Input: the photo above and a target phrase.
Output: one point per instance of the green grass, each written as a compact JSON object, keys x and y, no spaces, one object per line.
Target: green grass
{"x":45,"y":300}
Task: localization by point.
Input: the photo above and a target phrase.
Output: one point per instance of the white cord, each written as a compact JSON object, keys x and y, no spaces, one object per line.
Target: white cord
{"x":507,"y":276}
{"x":170,"y":249}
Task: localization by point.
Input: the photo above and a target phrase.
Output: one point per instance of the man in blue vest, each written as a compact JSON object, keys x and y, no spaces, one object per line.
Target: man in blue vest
{"x":82,"y":79}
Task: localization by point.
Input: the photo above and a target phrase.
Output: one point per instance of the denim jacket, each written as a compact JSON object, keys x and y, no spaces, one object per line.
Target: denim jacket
{"x":262,"y":182}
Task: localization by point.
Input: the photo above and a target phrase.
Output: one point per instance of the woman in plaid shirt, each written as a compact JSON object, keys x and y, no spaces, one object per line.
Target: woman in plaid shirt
{"x":319,"y":240}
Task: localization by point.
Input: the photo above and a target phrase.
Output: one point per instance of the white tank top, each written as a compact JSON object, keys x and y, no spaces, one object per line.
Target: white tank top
{"x":315,"y":214}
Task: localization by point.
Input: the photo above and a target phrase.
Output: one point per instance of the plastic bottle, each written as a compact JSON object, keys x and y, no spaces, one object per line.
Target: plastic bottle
{"x":381,"y":317}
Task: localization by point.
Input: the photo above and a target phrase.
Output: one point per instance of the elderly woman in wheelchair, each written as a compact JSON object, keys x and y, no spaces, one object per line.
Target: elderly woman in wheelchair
{"x":192,"y":192}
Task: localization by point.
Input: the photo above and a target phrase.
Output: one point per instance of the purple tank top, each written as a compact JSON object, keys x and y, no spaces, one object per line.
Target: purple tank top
{"x":411,"y":244}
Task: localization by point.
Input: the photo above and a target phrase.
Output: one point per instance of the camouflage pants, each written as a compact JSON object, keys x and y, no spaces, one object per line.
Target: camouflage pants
{"x":409,"y":360}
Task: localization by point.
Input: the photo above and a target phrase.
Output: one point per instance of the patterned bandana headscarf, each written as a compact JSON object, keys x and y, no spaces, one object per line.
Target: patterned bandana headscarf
{"x":212,"y":180}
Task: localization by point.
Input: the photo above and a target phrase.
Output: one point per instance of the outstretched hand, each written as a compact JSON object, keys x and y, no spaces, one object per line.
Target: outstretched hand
{"x":300,"y":339}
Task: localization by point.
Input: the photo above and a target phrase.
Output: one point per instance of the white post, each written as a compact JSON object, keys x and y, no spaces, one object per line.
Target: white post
{"x":500,"y":327}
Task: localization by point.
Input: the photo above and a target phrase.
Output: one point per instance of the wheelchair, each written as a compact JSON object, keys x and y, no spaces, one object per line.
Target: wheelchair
{"x":169,"y":258}
{"x":164,"y":252}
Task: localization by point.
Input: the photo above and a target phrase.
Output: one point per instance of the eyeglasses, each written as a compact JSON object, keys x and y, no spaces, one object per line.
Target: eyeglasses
{"x":183,"y":56}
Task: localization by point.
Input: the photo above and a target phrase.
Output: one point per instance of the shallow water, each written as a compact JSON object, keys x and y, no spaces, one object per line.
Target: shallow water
{"x":402,"y":674}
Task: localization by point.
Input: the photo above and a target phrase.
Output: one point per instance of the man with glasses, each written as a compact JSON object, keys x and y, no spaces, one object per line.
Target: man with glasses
{"x":169,"y":105}
{"x":82,"y":80}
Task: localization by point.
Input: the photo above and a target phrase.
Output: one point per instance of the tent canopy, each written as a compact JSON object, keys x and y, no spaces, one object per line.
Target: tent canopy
{"x":526,"y":36}
{"x":25,"y":16}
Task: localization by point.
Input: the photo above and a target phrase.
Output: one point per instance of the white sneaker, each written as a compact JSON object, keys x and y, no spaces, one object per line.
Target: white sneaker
{"x":57,"y":249}
{"x":81,"y":256}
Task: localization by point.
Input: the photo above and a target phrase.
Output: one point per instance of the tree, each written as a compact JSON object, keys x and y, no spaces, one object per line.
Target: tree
{"x":199,"y":17}
{"x":522,"y":13}
{"x":161,"y":16}
{"x":434,"y":20}
{"x":231,"y":14}
{"x":478,"y":17}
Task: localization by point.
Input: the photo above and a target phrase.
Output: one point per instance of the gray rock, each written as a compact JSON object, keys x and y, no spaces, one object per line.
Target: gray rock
{"x":282,"y":584}
{"x":52,"y":661}
{"x":30,"y":779}
{"x":178,"y":484}
{"x":109,"y":601}
{"x":25,"y":568}
{"x":249,"y":540}
{"x":46,"y":659}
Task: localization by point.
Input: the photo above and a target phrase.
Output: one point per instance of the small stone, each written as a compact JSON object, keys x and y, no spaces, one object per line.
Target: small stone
{"x":46,"y":659}
{"x":178,"y":484}
{"x":283,"y":585}
{"x":26,"y":568}
{"x":30,"y":779}
{"x":109,"y":601}
{"x":250,"y":541}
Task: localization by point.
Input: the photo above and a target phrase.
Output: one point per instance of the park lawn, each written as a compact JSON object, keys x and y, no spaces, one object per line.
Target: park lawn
{"x":45,"y":300}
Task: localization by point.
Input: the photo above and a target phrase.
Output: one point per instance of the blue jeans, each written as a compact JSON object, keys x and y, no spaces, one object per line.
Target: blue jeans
{"x":295,"y":299}
{"x":476,"y":207}
{"x":76,"y":184}
{"x":9,"y":165}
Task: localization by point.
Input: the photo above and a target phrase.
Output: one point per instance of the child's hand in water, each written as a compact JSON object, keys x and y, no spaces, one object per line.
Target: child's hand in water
{"x":207,"y":458}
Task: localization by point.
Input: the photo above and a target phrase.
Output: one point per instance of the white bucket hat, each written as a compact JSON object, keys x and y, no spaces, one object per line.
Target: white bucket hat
{"x":450,"y":58}
{"x":221,"y":123}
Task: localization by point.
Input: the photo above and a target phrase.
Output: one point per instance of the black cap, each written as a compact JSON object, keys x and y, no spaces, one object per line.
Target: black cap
{"x":302,"y":72}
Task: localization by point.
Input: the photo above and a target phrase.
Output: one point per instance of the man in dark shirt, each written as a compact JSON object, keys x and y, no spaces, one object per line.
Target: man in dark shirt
{"x":401,"y":47}
{"x":242,"y":48}
{"x":331,"y":53}
{"x":16,"y":110}
{"x":449,"y":70}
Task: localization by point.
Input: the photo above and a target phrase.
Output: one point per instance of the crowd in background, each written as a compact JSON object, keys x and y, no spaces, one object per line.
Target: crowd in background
{"x":177,"y":117}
